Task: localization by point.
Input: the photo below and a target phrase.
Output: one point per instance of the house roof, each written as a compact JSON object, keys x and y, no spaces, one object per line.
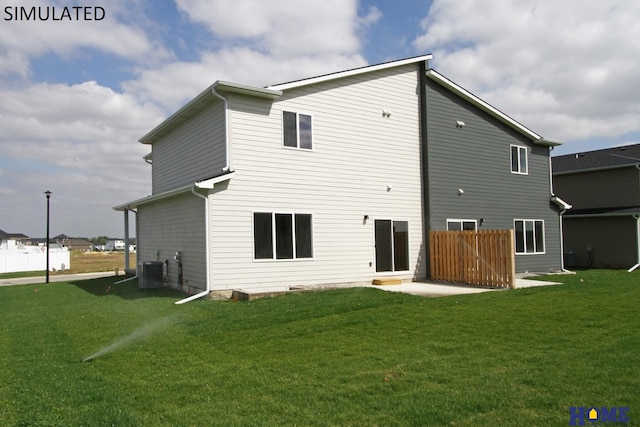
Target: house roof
{"x":4,"y":236}
{"x":492,"y":111}
{"x":348,"y":73}
{"x":608,"y":158}
{"x":209,"y":96}
{"x":204,"y":184}
{"x":616,"y":211}
{"x":200,"y":102}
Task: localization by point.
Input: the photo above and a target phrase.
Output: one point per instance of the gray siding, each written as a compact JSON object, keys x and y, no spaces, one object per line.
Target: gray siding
{"x":599,"y":189}
{"x":192,"y":152}
{"x":476,"y":159}
{"x":175,"y":225}
{"x":613,"y":240}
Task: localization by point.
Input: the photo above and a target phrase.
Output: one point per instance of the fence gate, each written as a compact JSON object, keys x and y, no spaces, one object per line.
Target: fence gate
{"x":484,"y":258}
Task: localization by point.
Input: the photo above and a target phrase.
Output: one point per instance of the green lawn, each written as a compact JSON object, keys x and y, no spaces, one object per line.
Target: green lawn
{"x":354,"y":357}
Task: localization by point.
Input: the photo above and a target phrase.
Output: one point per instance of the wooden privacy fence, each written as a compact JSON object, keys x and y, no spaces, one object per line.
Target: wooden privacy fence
{"x":484,"y":258}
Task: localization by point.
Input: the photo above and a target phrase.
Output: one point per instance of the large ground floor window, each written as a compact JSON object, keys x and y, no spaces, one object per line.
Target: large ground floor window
{"x":392,"y":245}
{"x":282,"y":235}
{"x":529,"y":234}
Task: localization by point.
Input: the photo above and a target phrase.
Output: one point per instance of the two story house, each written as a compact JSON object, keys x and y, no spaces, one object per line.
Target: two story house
{"x":603,"y":228}
{"x":338,"y":179}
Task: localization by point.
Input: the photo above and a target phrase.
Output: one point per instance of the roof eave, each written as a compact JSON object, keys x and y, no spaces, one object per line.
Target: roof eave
{"x":349,"y":73}
{"x":208,"y":184}
{"x":204,"y":97}
{"x":489,"y":109}
{"x":597,"y":169}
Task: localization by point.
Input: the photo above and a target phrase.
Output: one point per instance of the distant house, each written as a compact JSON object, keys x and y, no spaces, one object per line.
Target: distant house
{"x":17,"y":254}
{"x":114,"y":245}
{"x":338,"y":178}
{"x":74,"y":244}
{"x":603,"y":228}
{"x":13,"y":239}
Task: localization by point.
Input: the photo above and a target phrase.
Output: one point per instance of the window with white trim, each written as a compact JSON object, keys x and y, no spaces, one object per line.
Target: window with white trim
{"x":282,"y":235}
{"x":519,"y":160}
{"x":296,"y":130}
{"x":529,"y":235}
{"x":462,"y":224}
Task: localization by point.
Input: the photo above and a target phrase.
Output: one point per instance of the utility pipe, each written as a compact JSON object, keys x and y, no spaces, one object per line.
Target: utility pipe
{"x":207,"y":250}
{"x":227,"y":141}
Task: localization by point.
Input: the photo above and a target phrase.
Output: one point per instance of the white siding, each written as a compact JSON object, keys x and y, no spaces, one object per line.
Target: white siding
{"x":175,"y":225}
{"x":192,"y":152}
{"x":356,"y":154}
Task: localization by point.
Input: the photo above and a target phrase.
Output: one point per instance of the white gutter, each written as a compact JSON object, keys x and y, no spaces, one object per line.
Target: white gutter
{"x":207,"y":249}
{"x":227,"y":141}
{"x":637,"y":218}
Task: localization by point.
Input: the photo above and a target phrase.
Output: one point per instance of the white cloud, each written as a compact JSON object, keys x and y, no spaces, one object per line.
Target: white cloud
{"x":177,"y":82}
{"x":80,"y":142}
{"x":281,"y":27}
{"x":22,"y":40}
{"x":566,"y":69}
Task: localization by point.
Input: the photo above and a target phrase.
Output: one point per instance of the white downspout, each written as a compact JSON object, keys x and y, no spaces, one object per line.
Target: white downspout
{"x":559,"y":216}
{"x":207,"y":250}
{"x":637,"y":218}
{"x":227,"y":139}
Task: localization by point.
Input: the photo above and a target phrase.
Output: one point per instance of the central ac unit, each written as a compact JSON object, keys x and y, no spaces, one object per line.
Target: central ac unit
{"x":152,"y":275}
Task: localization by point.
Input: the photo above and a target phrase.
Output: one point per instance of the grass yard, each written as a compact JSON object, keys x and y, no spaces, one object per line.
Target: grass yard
{"x":352,"y":357}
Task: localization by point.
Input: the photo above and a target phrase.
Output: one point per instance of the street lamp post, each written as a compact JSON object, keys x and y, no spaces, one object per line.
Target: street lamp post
{"x":48,"y":194}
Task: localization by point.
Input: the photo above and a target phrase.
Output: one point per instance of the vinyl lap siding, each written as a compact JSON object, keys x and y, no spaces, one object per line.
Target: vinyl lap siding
{"x":356,"y":154}
{"x":614,"y":188}
{"x":613,"y":240}
{"x":192,"y":152}
{"x":175,"y":225}
{"x":476,"y":159}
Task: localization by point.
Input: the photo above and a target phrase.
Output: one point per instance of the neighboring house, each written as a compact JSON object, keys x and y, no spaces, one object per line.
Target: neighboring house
{"x":603,"y":228}
{"x":74,"y":244}
{"x":338,"y":178}
{"x":17,"y":255}
{"x":11,"y":240}
{"x":114,"y":245}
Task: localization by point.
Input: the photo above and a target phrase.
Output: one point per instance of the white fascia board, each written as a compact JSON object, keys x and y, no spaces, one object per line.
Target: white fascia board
{"x":205,"y":184}
{"x":153,"y":198}
{"x":257,"y":92}
{"x":349,"y":73}
{"x":201,"y":100}
{"x":211,"y":183}
{"x":465,"y":94}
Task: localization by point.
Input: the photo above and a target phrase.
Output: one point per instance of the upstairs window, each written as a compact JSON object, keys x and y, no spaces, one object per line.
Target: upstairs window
{"x":282,"y":236}
{"x":297,"y":130}
{"x":519,"y":159}
{"x":529,"y":235}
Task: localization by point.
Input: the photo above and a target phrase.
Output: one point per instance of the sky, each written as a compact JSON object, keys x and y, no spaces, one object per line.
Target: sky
{"x":77,"y":94}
